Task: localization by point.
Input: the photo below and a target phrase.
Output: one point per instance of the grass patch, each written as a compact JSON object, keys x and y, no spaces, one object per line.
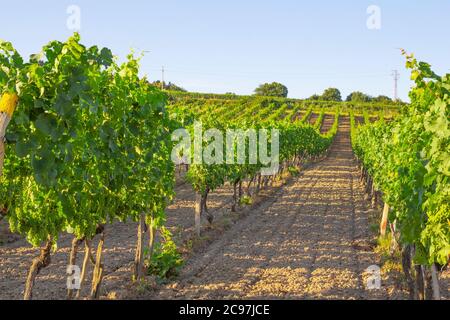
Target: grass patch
{"x":294,"y":171}
{"x":246,"y":201}
{"x":166,"y":260}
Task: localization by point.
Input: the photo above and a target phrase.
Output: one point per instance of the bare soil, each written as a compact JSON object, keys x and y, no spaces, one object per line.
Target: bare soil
{"x":313,"y":118}
{"x":328,"y":122}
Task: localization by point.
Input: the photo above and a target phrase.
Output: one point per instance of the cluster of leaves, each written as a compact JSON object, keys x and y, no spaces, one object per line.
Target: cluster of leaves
{"x":409,"y":161}
{"x":88,"y":144}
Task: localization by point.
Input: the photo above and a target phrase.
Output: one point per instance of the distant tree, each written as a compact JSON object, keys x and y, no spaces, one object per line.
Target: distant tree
{"x":273,"y":89}
{"x":331,"y":94}
{"x":168,"y":86}
{"x":358,"y":96}
{"x":314,"y":97}
{"x":382,"y":99}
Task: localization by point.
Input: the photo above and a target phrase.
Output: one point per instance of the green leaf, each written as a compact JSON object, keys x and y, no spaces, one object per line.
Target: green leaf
{"x":45,"y":123}
{"x":22,"y":149}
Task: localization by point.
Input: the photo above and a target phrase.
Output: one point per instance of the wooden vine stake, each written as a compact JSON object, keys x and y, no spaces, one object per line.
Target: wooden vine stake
{"x":198,"y":213}
{"x":8,"y":103}
{"x":139,"y":257}
{"x":241,"y":193}
{"x":87,"y":257}
{"x":249,"y":185}
{"x":152,"y":231}
{"x":374,"y":196}
{"x":209,"y":215}
{"x":435,"y":283}
{"x":384,"y":220}
{"x":258,"y":185}
{"x":98,"y":269}
{"x":235,"y":197}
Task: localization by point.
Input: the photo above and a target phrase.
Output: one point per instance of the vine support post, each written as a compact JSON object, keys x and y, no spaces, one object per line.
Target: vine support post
{"x":394,"y":241}
{"x":209,"y":215}
{"x":241,"y":193}
{"x":435,"y":283}
{"x":152,"y":231}
{"x":369,"y":188}
{"x":87,"y":256}
{"x":234,"y":205}
{"x":384,"y":220}
{"x":374,"y":197}
{"x":280,"y":171}
{"x":406,"y":265}
{"x":139,"y":255}
{"x":361,"y":178}
{"x":420,"y":288}
{"x":428,"y":282}
{"x":198,"y":213}
{"x":98,"y":269}
{"x":258,"y":185}
{"x":38,"y":263}
{"x":249,"y":185}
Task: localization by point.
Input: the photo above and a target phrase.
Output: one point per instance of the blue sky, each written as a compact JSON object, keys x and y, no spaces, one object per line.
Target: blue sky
{"x":233,"y":46}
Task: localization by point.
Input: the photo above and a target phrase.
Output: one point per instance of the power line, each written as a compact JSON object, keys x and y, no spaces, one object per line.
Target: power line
{"x":162,"y":78}
{"x":396,"y":76}
{"x":297,"y":75}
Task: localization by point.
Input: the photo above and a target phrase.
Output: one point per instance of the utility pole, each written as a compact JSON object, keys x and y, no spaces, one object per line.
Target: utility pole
{"x":162,"y":77}
{"x":396,"y":76}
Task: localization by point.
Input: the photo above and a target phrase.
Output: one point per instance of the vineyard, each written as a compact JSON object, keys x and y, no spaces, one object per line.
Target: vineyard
{"x":93,"y":204}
